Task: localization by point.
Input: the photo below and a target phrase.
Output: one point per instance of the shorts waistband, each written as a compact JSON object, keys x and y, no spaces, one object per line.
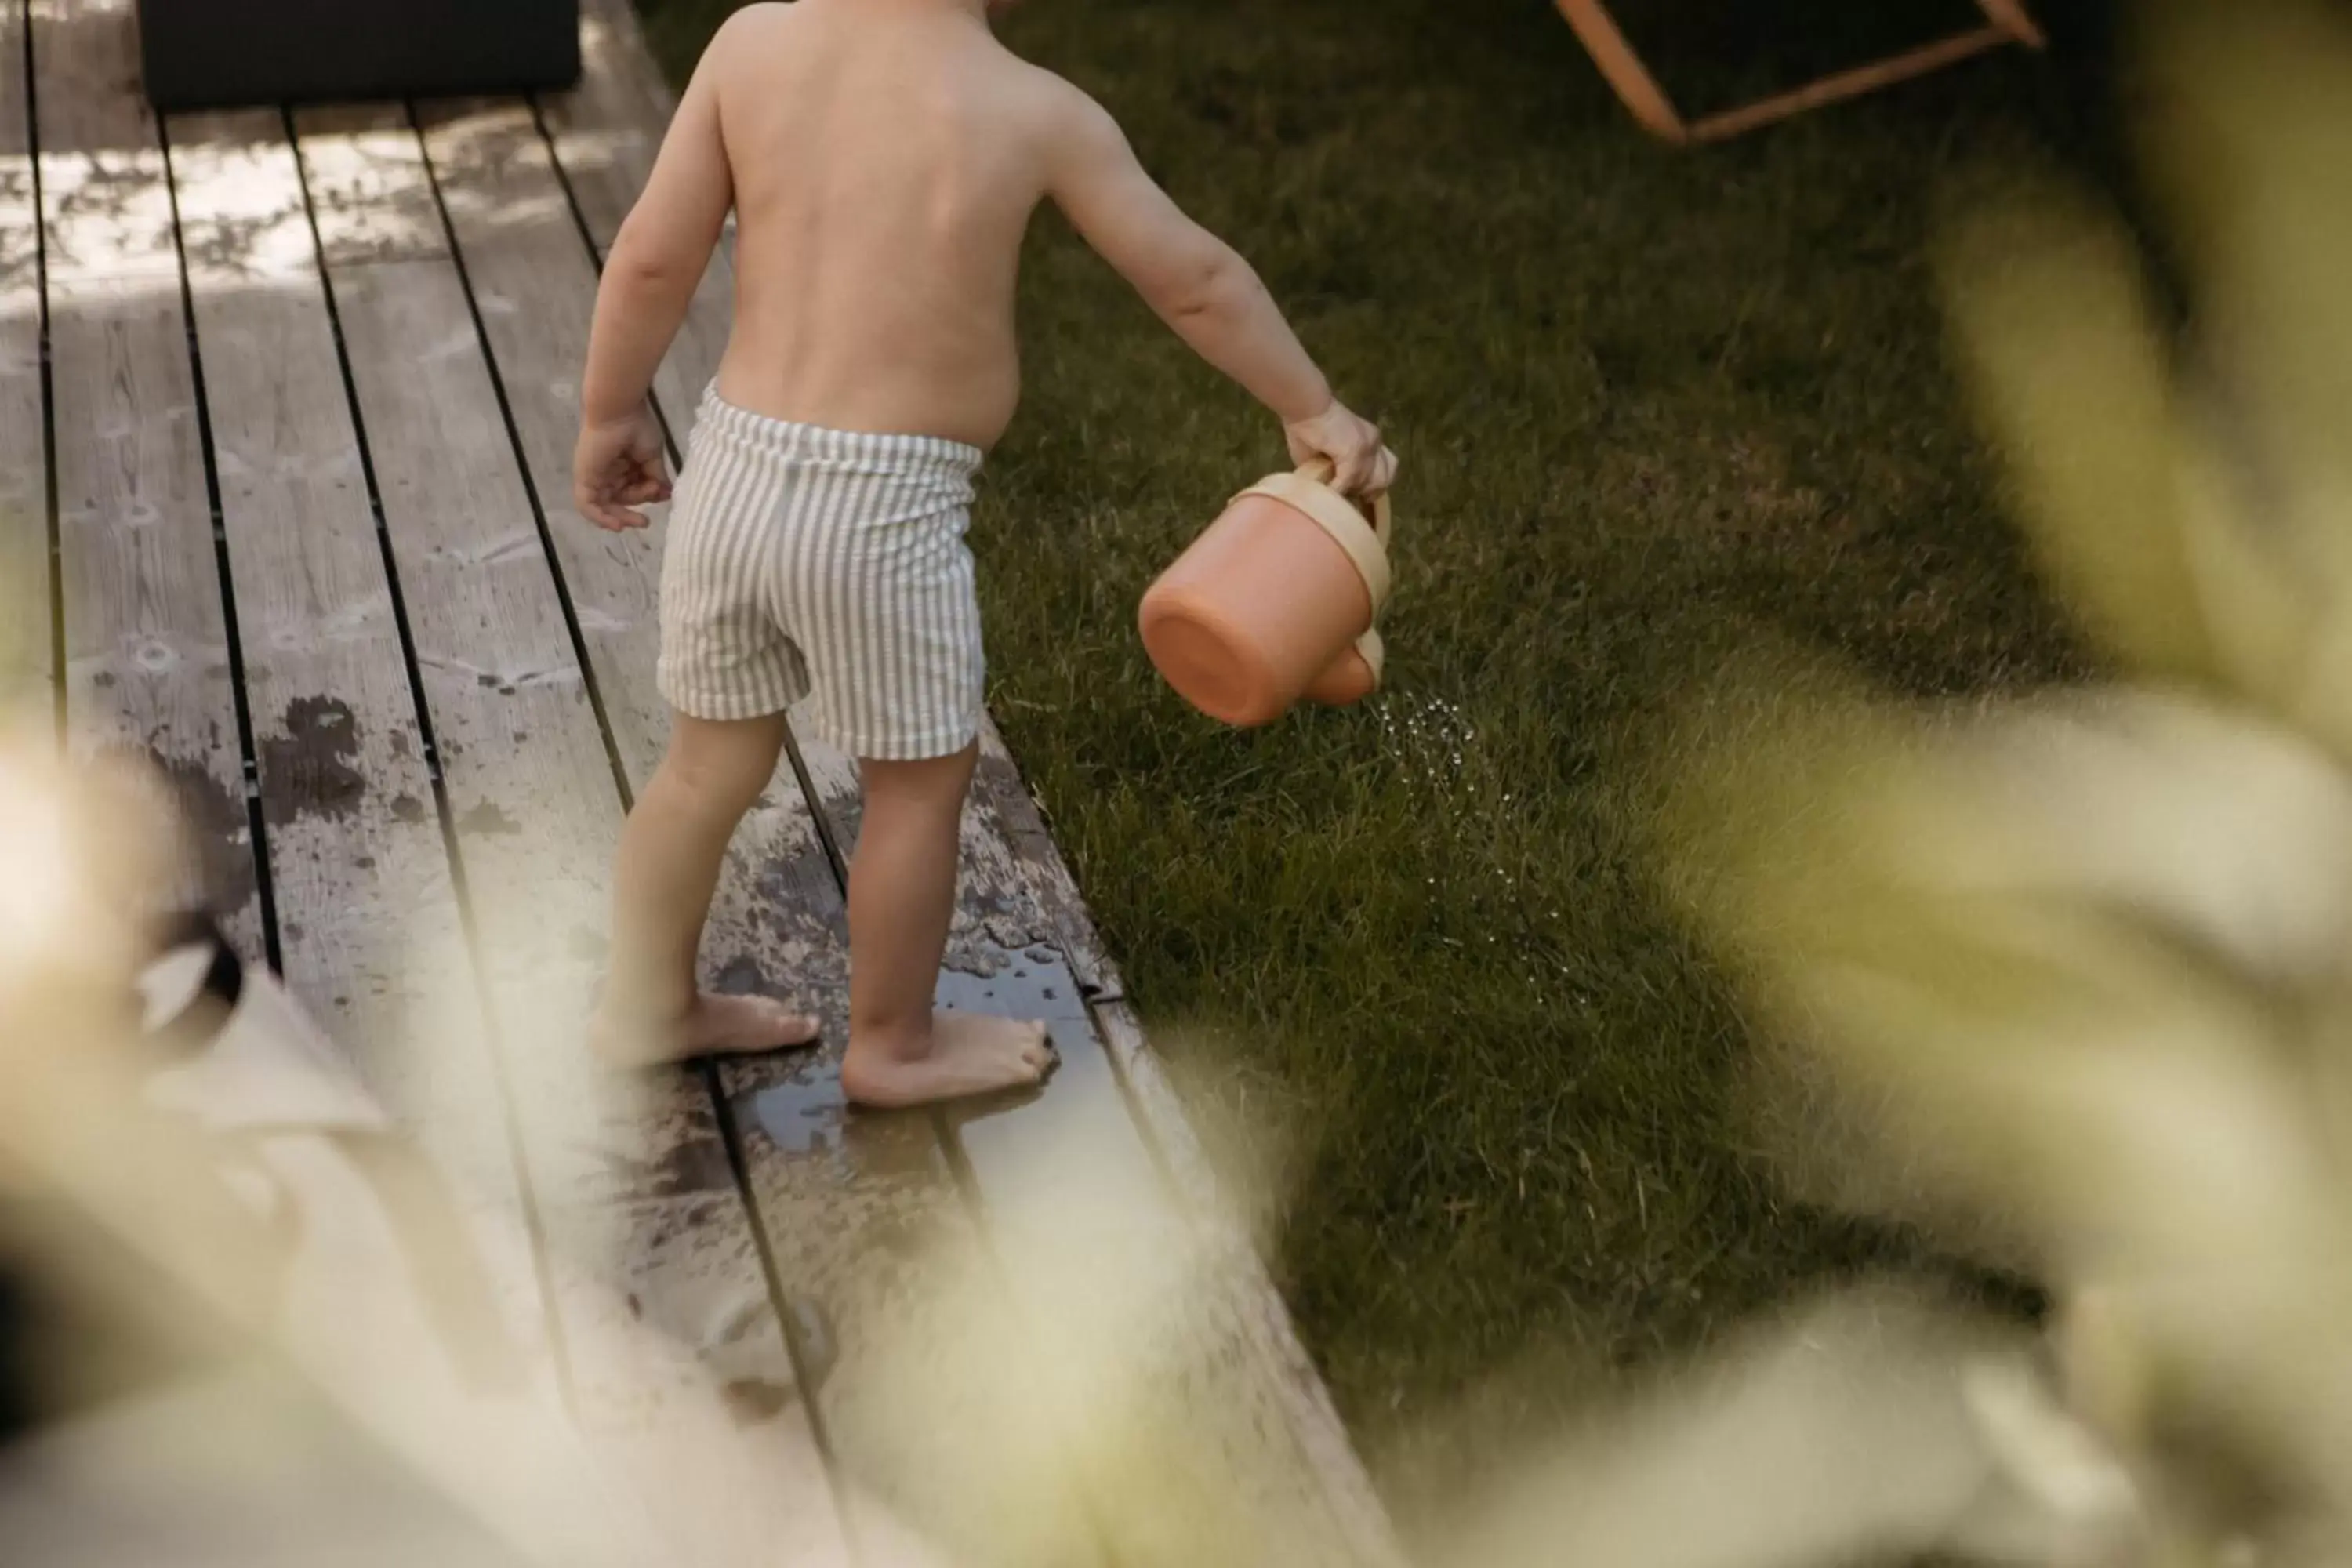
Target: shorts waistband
{"x":814,"y":445}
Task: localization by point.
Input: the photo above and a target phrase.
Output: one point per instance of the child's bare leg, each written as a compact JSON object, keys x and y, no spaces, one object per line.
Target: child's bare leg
{"x":671,"y":851}
{"x":902,"y":884}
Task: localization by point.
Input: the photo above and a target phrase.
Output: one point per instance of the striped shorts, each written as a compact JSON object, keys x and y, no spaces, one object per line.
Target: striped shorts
{"x":808,"y":564}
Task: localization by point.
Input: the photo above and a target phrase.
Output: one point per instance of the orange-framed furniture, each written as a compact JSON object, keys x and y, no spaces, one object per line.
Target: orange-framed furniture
{"x":2006,"y":22}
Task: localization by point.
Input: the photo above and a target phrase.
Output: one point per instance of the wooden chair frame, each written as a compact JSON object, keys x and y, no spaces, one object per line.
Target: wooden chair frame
{"x":2006,"y":22}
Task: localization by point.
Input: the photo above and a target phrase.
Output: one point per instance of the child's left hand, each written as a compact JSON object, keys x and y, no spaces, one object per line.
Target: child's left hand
{"x":619,"y":468}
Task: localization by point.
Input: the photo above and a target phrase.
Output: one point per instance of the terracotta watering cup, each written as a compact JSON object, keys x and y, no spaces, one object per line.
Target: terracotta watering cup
{"x":1275,"y":601}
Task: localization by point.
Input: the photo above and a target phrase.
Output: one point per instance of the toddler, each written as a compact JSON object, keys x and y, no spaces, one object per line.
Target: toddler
{"x":883,"y":159}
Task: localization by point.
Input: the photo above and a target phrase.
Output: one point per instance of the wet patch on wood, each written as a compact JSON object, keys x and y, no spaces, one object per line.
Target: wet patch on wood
{"x":311,"y":768}
{"x":1026,"y":982}
{"x":489,"y":819}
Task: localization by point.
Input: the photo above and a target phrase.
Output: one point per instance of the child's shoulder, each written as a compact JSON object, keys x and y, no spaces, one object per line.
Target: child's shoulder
{"x":1050,"y":104}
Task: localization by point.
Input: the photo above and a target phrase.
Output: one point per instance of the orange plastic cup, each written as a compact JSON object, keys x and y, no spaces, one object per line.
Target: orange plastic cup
{"x":1277,"y":601}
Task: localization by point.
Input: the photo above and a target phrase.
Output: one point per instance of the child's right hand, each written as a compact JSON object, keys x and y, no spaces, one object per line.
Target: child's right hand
{"x":1360,"y":465}
{"x":619,"y":468}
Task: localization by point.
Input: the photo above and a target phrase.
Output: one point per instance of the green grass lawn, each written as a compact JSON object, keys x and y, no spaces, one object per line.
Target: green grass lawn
{"x":1653,"y":405}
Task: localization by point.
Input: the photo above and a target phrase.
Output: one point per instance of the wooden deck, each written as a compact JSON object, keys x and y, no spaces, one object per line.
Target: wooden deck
{"x":286,"y":401}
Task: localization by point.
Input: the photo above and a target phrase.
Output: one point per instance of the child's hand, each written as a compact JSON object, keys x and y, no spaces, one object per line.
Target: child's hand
{"x":617,"y":469}
{"x":1360,"y":465}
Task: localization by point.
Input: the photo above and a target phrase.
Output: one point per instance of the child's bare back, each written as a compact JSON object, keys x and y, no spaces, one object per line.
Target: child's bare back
{"x":886,"y":160}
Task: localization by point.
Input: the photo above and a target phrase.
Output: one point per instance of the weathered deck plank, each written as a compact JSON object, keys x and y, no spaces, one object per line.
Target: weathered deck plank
{"x":536,"y":286}
{"x":1264,"y":1369}
{"x":843,"y":1206}
{"x":634,"y":1185}
{"x":606,"y":131}
{"x":147,"y":671}
{"x":369,"y":927}
{"x":26,"y":631}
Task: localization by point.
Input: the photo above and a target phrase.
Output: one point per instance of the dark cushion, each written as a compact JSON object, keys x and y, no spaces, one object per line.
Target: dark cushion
{"x":210,"y":54}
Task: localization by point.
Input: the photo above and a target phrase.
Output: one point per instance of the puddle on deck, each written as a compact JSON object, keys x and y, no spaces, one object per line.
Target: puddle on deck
{"x":806,"y":1114}
{"x":1026,"y":982}
{"x":807,"y":1117}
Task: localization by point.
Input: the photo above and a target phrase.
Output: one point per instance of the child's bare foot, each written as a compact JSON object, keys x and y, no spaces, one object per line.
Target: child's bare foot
{"x":715,"y":1025}
{"x":968,"y":1054}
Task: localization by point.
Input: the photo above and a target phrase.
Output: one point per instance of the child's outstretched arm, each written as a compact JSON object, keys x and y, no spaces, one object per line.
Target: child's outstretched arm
{"x":656,"y":263}
{"x":1203,"y":290}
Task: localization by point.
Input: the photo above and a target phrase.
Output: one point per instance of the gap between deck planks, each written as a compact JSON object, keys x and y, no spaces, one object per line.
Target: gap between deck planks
{"x":148,"y":673}
{"x":1018,"y":894}
{"x":27,"y":632}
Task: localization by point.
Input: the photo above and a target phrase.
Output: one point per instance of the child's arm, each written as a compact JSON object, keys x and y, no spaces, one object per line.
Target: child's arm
{"x":656,"y":263}
{"x":1205,"y":292}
